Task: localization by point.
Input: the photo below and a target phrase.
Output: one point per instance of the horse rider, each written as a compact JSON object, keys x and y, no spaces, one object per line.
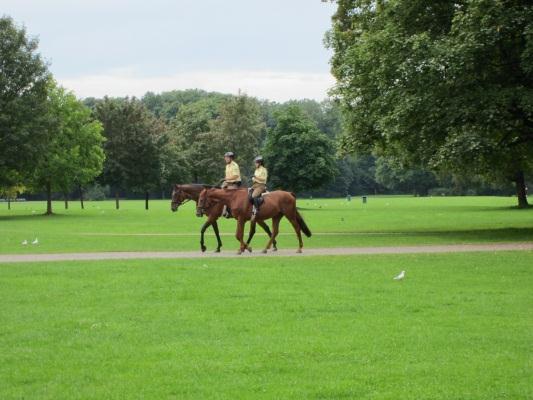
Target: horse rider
{"x":258,"y":185}
{"x":232,"y":180}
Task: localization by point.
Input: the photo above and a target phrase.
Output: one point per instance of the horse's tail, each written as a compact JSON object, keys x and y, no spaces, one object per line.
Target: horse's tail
{"x":303,"y":226}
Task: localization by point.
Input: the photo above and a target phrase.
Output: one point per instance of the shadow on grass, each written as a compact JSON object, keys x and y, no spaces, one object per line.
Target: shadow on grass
{"x":36,"y":216}
{"x":474,"y":235}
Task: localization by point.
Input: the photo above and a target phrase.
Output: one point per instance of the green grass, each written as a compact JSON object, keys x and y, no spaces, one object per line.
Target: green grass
{"x":458,"y":327}
{"x":335,"y":223}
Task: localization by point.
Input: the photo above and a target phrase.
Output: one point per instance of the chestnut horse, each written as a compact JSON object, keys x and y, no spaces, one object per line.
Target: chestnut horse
{"x":184,"y":193}
{"x":276,"y":205}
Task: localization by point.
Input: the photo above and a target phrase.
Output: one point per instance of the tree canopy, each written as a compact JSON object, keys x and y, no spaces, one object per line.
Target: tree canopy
{"x":444,"y":84}
{"x":297,"y":154}
{"x":24,"y":79}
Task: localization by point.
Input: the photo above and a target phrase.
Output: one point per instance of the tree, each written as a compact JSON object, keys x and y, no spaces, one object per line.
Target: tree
{"x":133,"y":146}
{"x":73,"y":152}
{"x":394,"y":176}
{"x":11,"y":193}
{"x":444,"y":84}
{"x":23,"y":89}
{"x":188,"y":131}
{"x":298,"y":156}
{"x":238,"y":128}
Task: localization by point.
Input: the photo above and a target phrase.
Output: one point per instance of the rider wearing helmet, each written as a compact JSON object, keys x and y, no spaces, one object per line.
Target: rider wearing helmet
{"x":232,"y":180}
{"x":259,"y":185}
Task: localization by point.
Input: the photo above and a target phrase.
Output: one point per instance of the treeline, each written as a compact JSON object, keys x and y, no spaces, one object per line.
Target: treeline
{"x":56,"y":146}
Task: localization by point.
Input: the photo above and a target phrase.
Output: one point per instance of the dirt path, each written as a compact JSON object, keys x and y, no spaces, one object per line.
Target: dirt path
{"x":13,"y":258}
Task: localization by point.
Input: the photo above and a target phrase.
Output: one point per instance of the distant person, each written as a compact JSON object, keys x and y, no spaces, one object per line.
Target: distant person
{"x":232,"y":179}
{"x":259,"y":185}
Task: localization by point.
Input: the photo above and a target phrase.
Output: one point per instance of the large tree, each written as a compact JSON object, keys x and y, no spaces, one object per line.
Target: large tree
{"x":73,"y":153}
{"x":188,"y":131}
{"x":135,"y":140}
{"x":446,"y":84}
{"x":238,"y":128}
{"x":23,"y":89}
{"x":298,"y":156}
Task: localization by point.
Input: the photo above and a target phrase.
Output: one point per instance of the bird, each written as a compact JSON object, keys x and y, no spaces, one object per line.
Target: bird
{"x":36,"y":241}
{"x":25,"y":242}
{"x":400,"y":276}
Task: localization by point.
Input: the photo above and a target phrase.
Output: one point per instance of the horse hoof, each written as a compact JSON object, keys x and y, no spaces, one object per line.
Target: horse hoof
{"x":299,"y":250}
{"x":264,"y":251}
{"x":275,"y":249}
{"x":249,"y":249}
{"x":204,"y":249}
{"x":217,"y":251}
{"x":239,"y":252}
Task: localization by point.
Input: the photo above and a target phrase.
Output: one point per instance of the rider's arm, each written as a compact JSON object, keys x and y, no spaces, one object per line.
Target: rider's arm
{"x":260,"y":176}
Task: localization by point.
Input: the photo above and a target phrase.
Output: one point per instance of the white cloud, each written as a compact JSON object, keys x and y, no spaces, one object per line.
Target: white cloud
{"x":271,"y":85}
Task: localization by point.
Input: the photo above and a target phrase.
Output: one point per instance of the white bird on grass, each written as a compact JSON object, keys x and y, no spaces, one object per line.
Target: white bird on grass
{"x":25,"y":242}
{"x":400,"y":276}
{"x":36,"y":241}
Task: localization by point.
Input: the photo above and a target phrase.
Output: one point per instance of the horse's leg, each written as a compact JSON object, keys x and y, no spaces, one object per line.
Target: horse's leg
{"x":265,"y":227}
{"x":240,"y":233}
{"x":298,"y":231}
{"x":275,"y":230}
{"x":204,"y":227}
{"x":250,"y":236}
{"x":215,"y":228}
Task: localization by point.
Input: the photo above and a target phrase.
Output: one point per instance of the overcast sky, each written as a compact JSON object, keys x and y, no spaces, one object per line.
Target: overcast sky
{"x":271,"y":49}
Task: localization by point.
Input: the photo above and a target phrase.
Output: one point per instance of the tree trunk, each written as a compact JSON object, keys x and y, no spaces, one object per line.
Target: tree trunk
{"x":81,"y":198}
{"x":521,"y":191}
{"x":8,"y":203}
{"x":66,"y":201}
{"x":48,"y":198}
{"x":117,"y":205}
{"x":146,"y":201}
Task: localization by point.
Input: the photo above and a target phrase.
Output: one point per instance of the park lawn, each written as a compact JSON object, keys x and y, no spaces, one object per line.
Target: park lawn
{"x":458,"y":327}
{"x":383,"y":221}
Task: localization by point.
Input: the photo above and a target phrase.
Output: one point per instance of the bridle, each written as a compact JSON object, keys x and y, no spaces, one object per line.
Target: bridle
{"x":184,"y":198}
{"x":203,"y":205}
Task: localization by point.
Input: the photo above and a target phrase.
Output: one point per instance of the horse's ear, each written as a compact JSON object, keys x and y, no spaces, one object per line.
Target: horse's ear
{"x":176,"y":186}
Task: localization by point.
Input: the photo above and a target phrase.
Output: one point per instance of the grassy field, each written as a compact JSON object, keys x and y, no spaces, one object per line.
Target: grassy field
{"x":458,"y":327}
{"x":383,"y":221}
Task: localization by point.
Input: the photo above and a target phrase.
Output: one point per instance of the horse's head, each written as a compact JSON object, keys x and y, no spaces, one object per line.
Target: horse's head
{"x":204,"y":202}
{"x":178,"y":198}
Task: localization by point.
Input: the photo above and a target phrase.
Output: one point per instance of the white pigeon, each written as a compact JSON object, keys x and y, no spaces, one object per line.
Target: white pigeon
{"x":36,"y":241}
{"x":400,"y":276}
{"x":25,"y":242}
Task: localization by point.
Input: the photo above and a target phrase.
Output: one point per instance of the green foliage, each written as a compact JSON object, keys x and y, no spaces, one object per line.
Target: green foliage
{"x":445,"y":84}
{"x":188,"y":130}
{"x":391,"y":174}
{"x":239,"y":128}
{"x":134,"y":142}
{"x":73,"y":153}
{"x":23,"y":89}
{"x":298,"y":156}
{"x":97,"y":192}
{"x":167,"y":104}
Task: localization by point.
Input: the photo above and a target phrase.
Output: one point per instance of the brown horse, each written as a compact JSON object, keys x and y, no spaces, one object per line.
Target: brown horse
{"x":184,"y":193}
{"x":276,"y":205}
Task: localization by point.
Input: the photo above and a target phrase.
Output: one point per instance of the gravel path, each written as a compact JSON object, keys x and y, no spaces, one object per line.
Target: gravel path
{"x":456,"y":248}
